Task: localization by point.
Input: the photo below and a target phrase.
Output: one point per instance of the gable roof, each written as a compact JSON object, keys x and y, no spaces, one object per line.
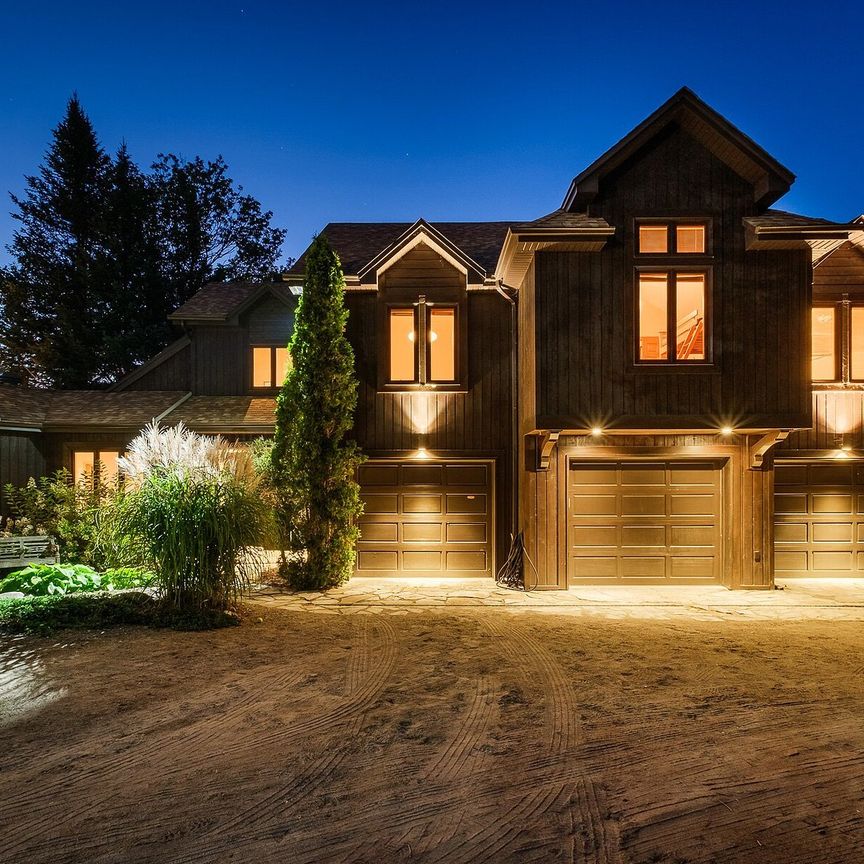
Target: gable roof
{"x":358,"y":243}
{"x":45,"y":409}
{"x":221,"y":301}
{"x":769,"y":177}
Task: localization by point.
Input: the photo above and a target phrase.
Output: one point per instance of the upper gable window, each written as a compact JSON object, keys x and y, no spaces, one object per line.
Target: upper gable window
{"x":422,"y":342}
{"x":270,"y":365}
{"x":672,"y":320}
{"x":672,"y":238}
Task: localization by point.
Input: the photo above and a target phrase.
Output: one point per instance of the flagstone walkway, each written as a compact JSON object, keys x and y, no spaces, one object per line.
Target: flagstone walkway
{"x":795,"y":599}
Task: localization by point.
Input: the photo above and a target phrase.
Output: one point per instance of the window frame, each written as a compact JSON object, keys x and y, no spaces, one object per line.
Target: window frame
{"x":273,"y":346}
{"x":74,"y":448}
{"x":839,"y":325}
{"x":672,"y":222}
{"x":671,"y":273}
{"x":422,"y":304}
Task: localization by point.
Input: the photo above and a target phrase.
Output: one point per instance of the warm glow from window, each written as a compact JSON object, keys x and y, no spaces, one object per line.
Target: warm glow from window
{"x":690,"y":239}
{"x":653,"y":319}
{"x":402,"y":341}
{"x":442,"y":344}
{"x":690,"y":316}
{"x":84,"y":463}
{"x":283,"y":364}
{"x":823,"y":344}
{"x":856,"y":359}
{"x":653,"y":238}
{"x":262,"y":367}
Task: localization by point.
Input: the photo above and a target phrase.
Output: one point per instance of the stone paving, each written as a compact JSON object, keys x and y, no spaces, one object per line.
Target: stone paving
{"x":793,"y":600}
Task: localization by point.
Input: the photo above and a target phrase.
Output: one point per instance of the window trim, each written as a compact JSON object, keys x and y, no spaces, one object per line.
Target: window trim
{"x":456,"y":330}
{"x":839,"y":326}
{"x":421,"y":303}
{"x":388,"y":340}
{"x":672,"y":237}
{"x":272,"y":346}
{"x":671,"y":316}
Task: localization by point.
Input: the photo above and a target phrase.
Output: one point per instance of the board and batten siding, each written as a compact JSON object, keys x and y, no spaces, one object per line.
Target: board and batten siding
{"x":20,"y":459}
{"x":586,"y":306}
{"x":172,"y":373}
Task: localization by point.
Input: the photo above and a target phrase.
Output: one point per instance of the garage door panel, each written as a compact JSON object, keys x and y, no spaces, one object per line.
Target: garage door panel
{"x":832,"y":532}
{"x":822,"y":561}
{"x":832,"y":502}
{"x":643,"y":505}
{"x":379,"y":532}
{"x":594,"y":505}
{"x":643,"y":567}
{"x":426,"y":518}
{"x":422,"y":532}
{"x":644,"y":522}
{"x":788,"y":561}
{"x":387,"y":561}
{"x":417,"y":503}
{"x":791,"y":532}
{"x":422,"y":475}
{"x":791,"y":475}
{"x":795,"y":503}
{"x":830,"y":474}
{"x":376,"y":504}
{"x":634,"y":536}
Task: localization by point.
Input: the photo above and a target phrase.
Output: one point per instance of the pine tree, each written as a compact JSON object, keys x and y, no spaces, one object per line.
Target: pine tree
{"x":50,"y":301}
{"x":313,"y":462}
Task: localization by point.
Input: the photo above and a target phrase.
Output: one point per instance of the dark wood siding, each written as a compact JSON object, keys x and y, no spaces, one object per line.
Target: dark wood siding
{"x":20,"y":459}
{"x":270,"y":322}
{"x":842,"y":272}
{"x":476,"y":422}
{"x":585,"y":310}
{"x":172,"y":374}
{"x":220,"y":361}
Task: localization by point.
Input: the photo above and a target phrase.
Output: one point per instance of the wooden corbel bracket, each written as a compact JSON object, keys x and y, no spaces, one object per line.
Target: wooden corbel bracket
{"x":544,"y":444}
{"x":761,"y":448}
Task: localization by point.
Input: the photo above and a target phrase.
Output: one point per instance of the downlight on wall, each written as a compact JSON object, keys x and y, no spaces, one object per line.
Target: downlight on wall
{"x":596,"y":431}
{"x":726,"y":431}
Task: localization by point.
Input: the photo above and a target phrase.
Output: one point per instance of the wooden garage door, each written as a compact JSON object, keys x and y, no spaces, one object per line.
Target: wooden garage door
{"x":819,"y":519}
{"x":643,"y":522}
{"x":425,"y":519}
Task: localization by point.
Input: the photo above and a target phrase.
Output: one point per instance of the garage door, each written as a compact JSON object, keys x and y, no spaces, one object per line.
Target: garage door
{"x":426,"y":519}
{"x":643,"y":522}
{"x":819,"y":519}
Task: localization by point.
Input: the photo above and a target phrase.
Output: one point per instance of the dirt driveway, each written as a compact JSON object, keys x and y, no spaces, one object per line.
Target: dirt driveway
{"x":466,"y":735}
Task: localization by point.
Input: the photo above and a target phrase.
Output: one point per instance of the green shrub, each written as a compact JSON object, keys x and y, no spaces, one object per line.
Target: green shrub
{"x":44,"y":615}
{"x":192,"y":507}
{"x":41,"y":580}
{"x":59,"y":508}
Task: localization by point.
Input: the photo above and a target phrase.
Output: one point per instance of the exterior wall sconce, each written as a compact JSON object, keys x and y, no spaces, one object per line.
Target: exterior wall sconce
{"x":726,"y":431}
{"x":596,"y":431}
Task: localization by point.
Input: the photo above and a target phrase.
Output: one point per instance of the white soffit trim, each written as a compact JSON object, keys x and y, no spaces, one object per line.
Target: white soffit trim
{"x":422,"y":238}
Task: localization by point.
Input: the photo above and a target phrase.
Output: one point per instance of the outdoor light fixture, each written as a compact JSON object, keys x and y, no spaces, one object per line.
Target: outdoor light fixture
{"x":422,"y":453}
{"x":726,"y":430}
{"x":596,"y":431}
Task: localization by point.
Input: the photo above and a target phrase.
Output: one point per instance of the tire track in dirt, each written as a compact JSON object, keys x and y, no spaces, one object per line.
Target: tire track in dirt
{"x":363,"y":691}
{"x":37,"y":805}
{"x":601,"y":841}
{"x":529,"y":653}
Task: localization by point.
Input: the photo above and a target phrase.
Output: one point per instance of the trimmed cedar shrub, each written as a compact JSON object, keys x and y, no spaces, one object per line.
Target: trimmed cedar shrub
{"x":313,"y":463}
{"x":192,"y":510}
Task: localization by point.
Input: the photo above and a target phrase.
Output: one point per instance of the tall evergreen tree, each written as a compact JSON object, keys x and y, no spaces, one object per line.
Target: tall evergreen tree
{"x":51,"y":306}
{"x":313,"y":462}
{"x":210,"y":229}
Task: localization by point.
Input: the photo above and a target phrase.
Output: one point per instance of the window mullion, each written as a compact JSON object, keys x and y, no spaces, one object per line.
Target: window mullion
{"x":671,"y":317}
{"x":845,"y":324}
{"x":422,"y":343}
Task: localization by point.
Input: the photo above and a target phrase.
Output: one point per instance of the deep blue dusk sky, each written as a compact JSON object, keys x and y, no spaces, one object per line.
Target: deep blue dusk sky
{"x":451,"y":111}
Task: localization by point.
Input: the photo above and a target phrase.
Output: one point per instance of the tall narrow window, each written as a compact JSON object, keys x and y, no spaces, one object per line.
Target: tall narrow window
{"x":856,"y":344}
{"x":672,"y":317}
{"x":653,"y":316}
{"x":442,"y":344}
{"x":283,"y":364}
{"x":403,"y":339}
{"x":824,"y":358}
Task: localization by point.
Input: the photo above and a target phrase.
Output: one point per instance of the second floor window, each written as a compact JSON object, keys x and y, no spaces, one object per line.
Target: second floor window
{"x":270,"y":365}
{"x":422,"y":344}
{"x":672,"y":319}
{"x":837,"y":342}
{"x":676,"y":238}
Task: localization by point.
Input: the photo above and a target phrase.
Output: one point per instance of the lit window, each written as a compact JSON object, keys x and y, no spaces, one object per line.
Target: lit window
{"x":653,"y":316}
{"x":402,"y":345}
{"x":442,"y":344}
{"x":270,"y":365}
{"x":857,"y":344}
{"x":824,"y":361}
{"x":684,"y":296}
{"x":653,"y":239}
{"x":689,"y":239}
{"x":98,"y":465}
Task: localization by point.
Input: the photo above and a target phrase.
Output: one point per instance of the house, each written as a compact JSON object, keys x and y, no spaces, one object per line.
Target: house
{"x":625,"y":380}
